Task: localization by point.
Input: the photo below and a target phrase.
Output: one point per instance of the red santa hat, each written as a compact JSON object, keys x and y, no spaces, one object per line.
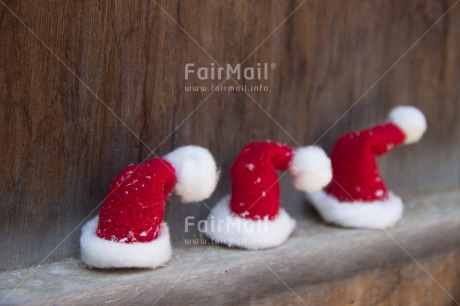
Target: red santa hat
{"x":129,"y":231}
{"x":251,"y":217}
{"x":357,"y":195}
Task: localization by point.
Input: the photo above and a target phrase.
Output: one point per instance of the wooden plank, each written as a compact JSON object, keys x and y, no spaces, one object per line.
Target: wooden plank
{"x":60,"y":147}
{"x":401,"y":284}
{"x":322,"y":264}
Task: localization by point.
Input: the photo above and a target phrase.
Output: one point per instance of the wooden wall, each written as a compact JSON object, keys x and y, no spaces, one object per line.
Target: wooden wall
{"x":87,"y":87}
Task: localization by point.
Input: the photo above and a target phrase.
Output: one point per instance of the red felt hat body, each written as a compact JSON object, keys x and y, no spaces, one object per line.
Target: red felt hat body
{"x":134,"y":208}
{"x":356,"y":177}
{"x":255,"y":187}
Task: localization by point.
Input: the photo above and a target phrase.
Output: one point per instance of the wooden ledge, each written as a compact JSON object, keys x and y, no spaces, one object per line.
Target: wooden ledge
{"x":316,"y":253}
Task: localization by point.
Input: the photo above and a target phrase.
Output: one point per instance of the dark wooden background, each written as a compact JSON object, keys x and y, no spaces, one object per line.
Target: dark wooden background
{"x":68,"y":69}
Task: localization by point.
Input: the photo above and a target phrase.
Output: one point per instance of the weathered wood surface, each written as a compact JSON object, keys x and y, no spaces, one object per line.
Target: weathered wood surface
{"x":402,"y":284}
{"x":324,"y":265}
{"x":60,"y":146}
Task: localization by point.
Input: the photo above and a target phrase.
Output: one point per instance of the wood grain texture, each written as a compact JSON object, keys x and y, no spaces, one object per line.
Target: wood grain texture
{"x":401,"y":284}
{"x":398,"y":284}
{"x":324,"y":265}
{"x":81,"y":62}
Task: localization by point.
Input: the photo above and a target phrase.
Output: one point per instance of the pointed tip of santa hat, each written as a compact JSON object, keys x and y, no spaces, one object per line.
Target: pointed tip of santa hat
{"x":310,"y":168}
{"x":196,"y":172}
{"x":410,"y":120}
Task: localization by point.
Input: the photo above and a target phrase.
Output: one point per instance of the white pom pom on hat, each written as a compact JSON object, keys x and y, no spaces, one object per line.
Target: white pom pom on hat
{"x":410,"y":120}
{"x":310,"y":168}
{"x":196,"y":172}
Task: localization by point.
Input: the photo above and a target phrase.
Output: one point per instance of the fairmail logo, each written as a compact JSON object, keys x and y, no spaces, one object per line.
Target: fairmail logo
{"x":214,"y":72}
